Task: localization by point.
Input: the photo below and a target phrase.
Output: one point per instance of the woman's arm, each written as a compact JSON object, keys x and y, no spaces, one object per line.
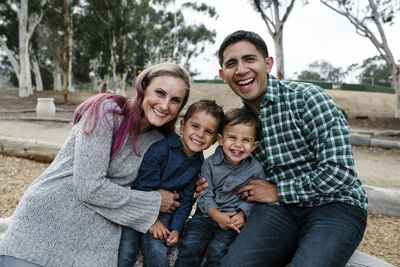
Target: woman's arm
{"x":95,"y":189}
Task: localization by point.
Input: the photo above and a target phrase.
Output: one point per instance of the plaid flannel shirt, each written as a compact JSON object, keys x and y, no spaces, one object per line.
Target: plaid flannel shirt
{"x":305,"y":146}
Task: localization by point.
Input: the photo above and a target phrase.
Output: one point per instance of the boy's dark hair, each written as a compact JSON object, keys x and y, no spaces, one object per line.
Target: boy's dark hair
{"x":238,"y":36}
{"x":242,"y":116}
{"x":209,"y":106}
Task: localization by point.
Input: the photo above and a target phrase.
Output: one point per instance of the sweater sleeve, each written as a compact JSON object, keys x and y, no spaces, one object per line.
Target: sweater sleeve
{"x":92,"y":186}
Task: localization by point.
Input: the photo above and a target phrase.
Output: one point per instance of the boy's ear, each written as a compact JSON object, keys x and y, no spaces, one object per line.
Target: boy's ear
{"x":181,"y":126}
{"x":255,"y":145}
{"x":219,"y":139}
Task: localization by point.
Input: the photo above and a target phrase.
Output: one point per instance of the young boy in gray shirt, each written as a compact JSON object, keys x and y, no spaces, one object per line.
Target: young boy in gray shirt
{"x":221,"y":212}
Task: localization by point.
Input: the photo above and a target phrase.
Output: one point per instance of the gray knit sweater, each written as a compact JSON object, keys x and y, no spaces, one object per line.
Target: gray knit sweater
{"x":71,"y":214}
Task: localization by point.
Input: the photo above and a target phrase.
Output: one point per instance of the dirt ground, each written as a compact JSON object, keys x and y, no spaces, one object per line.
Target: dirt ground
{"x":368,"y":111}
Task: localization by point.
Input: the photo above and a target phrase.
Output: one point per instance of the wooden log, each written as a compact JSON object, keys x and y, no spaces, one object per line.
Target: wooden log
{"x":27,"y":148}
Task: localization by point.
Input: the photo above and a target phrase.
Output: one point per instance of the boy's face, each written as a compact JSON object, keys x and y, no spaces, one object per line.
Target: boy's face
{"x":199,"y":132}
{"x":245,"y":70}
{"x":237,"y":142}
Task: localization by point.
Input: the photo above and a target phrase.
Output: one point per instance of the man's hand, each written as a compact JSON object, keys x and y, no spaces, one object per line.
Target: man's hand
{"x":169,"y":201}
{"x":259,"y":190}
{"x":172,"y":239}
{"x":223,"y":219}
{"x":159,"y":231}
{"x":201,"y":185}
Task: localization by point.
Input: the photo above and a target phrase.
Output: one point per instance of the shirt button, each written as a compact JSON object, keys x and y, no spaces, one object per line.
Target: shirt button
{"x":227,"y":184}
{"x":219,"y":197}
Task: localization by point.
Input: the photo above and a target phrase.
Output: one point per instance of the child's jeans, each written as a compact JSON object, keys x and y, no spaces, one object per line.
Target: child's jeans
{"x":154,"y":251}
{"x":203,"y":237}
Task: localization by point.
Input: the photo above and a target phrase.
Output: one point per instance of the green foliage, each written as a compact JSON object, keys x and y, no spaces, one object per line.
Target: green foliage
{"x":324,"y":85}
{"x":322,"y":70}
{"x":367,"y":88}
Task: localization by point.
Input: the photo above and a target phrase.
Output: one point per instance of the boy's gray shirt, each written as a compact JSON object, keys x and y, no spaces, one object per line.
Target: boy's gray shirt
{"x":224,"y":179}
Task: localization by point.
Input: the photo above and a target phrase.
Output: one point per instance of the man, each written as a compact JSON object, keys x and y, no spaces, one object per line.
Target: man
{"x":312,"y":210}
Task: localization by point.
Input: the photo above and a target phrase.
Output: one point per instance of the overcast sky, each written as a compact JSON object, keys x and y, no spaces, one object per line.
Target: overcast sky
{"x":312,"y":32}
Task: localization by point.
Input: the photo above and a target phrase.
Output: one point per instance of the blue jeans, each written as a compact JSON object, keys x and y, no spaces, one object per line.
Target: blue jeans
{"x":10,"y":261}
{"x":325,"y":235}
{"x":155,"y":252}
{"x":203,"y":237}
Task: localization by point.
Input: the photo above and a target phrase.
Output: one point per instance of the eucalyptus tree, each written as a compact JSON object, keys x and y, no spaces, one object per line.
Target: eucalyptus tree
{"x":63,"y":9}
{"x":138,"y":33}
{"x":275,"y":13}
{"x":322,"y":70}
{"x":369,"y":18}
{"x":27,"y":23}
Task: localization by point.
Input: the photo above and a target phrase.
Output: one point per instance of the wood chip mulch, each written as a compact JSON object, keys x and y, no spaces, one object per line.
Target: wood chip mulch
{"x":381,"y":238}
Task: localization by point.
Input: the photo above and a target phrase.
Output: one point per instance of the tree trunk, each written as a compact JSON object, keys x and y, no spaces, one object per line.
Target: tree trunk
{"x":67,"y":70}
{"x":396,"y":85}
{"x":104,"y":84}
{"x":11,"y":58}
{"x":120,"y":84}
{"x":25,"y":83}
{"x":38,"y":76}
{"x":57,"y":77}
{"x":279,"y":59}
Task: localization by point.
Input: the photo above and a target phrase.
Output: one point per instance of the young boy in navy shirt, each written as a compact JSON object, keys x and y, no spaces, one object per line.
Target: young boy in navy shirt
{"x":221,"y":213}
{"x":172,"y":164}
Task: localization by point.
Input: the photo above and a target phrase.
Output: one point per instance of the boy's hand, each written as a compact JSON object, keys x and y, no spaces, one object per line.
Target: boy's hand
{"x":172,"y":239}
{"x":239,"y":219}
{"x":159,"y":231}
{"x":223,"y":219}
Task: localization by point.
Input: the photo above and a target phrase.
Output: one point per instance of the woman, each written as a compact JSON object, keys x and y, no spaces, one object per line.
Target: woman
{"x":71,"y":214}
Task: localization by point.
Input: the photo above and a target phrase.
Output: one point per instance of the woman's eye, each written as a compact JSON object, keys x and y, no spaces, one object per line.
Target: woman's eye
{"x":176,"y":100}
{"x":160,"y":93}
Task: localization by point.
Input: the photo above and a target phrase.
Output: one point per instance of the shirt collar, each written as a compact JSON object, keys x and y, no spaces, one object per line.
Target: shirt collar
{"x":174,"y":141}
{"x":272,"y":92}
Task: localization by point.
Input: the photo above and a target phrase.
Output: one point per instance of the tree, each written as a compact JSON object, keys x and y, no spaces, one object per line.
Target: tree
{"x":64,"y":13}
{"x":369,"y":18}
{"x":138,"y":33}
{"x":322,"y":70}
{"x":26,"y":26}
{"x":274,"y":25}
{"x":373,"y":71}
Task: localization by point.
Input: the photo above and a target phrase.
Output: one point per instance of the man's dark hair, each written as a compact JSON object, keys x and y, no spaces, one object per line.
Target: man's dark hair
{"x":242,"y":116}
{"x":209,"y":106}
{"x":238,"y":36}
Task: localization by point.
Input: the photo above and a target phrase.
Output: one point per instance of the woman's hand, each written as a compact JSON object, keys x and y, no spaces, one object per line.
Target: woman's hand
{"x":259,"y":190}
{"x":159,"y":231}
{"x":201,"y":185}
{"x":169,"y":201}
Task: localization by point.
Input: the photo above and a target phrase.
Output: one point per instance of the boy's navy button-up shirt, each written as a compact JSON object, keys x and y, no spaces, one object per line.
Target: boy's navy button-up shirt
{"x":166,"y":166}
